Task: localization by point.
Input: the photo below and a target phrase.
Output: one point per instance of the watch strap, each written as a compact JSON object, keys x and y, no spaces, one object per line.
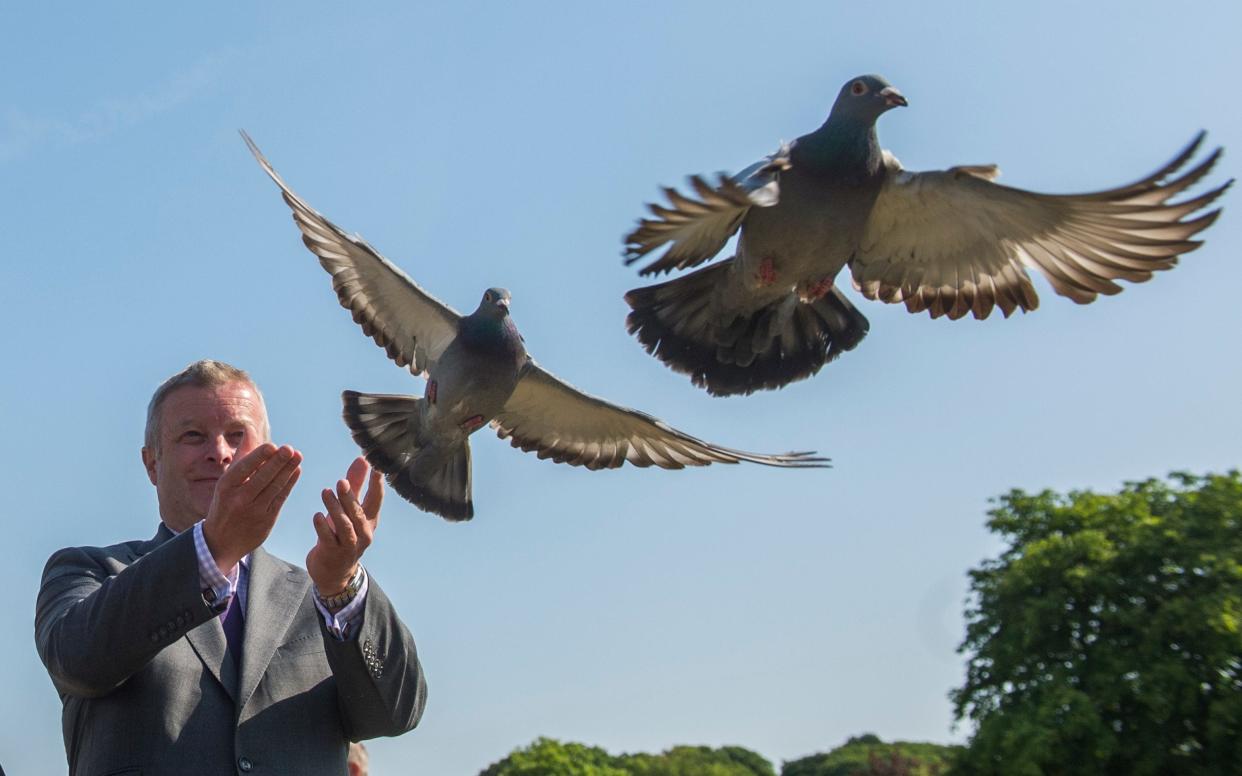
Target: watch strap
{"x":334,"y":603}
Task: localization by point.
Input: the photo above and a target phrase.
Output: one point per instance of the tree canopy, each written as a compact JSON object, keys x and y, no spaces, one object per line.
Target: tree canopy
{"x":548,"y":757}
{"x":867,"y":755}
{"x":864,"y":755}
{"x":1106,"y":638}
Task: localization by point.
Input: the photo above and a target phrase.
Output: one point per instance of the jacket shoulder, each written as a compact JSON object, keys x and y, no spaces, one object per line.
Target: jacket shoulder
{"x":113,"y":556}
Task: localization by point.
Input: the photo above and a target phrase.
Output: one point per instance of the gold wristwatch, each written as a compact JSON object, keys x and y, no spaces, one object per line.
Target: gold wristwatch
{"x":335,"y":603}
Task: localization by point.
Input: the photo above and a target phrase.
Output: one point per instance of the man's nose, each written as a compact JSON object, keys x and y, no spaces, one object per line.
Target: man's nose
{"x":221,"y":450}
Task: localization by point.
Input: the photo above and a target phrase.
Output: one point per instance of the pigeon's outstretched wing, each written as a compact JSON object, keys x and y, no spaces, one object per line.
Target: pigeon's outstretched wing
{"x":699,"y":228}
{"x":952,"y":242}
{"x":556,"y":420}
{"x":411,"y":324}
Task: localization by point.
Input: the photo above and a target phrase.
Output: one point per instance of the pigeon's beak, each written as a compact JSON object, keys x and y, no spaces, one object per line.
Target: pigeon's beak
{"x":502,"y":303}
{"x":892,"y":97}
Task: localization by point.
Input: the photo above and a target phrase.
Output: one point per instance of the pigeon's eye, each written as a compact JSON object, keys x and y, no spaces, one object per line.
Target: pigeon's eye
{"x":858,"y":88}
{"x":487,"y":296}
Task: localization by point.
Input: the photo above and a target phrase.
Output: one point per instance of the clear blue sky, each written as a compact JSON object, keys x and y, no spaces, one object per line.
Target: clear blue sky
{"x":512,"y":144}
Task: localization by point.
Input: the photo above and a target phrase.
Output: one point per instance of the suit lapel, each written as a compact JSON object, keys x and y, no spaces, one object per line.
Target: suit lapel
{"x":208,"y":638}
{"x":272,"y":602}
{"x":208,"y":641}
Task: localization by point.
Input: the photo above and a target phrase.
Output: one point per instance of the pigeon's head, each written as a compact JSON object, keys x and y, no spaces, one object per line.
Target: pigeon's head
{"x":866,"y":97}
{"x":495,"y":303}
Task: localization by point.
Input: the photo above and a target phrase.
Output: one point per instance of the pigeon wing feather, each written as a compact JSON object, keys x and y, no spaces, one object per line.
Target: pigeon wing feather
{"x":699,"y":228}
{"x":953,"y":242}
{"x":553,"y":419}
{"x":410,"y":324}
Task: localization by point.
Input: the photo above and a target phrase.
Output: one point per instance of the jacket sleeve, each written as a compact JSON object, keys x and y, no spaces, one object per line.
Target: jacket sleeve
{"x":98,"y":619}
{"x":380,"y":683}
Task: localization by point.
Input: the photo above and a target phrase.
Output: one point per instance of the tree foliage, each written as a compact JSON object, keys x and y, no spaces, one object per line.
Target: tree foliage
{"x":1106,"y":638}
{"x":548,"y":757}
{"x":867,"y":755}
{"x":696,"y":760}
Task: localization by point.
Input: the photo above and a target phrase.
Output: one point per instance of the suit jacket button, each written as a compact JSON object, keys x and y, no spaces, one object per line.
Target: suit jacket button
{"x":244,"y":765}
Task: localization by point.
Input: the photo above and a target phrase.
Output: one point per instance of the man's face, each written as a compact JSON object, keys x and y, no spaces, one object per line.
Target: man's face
{"x":202,"y":432}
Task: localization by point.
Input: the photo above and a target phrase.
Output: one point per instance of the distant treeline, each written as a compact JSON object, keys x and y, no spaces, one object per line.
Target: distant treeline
{"x":864,"y":755}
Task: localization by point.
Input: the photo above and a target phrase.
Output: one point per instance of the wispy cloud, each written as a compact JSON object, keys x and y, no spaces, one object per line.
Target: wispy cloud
{"x":22,"y":133}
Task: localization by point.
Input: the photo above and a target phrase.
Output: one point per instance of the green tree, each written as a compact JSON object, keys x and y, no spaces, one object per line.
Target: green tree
{"x":548,"y":757}
{"x":1105,"y":639}
{"x":867,"y":755}
{"x":698,"y":761}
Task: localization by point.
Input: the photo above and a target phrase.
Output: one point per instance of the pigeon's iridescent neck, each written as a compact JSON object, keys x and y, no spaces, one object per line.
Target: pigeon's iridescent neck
{"x":487,"y":334}
{"x":842,"y":147}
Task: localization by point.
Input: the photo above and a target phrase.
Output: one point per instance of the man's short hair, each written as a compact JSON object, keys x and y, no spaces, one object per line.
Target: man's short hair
{"x":205,"y":373}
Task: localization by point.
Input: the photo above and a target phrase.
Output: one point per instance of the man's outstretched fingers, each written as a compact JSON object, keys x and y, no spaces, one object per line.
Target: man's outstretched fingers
{"x":344,"y":528}
{"x":283,"y":472}
{"x":273,"y":471}
{"x":323,"y":527}
{"x":375,"y":497}
{"x":278,"y":499}
{"x":353,"y":510}
{"x":241,"y":470}
{"x":357,"y":474}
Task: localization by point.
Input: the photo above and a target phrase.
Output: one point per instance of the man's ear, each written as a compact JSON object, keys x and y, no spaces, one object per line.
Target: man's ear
{"x":148,"y":463}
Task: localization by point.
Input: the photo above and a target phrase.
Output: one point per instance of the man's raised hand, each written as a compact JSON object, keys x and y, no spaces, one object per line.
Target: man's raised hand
{"x":345,"y":532}
{"x":247,"y":501}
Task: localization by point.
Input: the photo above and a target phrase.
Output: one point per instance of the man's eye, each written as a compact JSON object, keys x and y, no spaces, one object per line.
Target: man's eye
{"x":191,"y":436}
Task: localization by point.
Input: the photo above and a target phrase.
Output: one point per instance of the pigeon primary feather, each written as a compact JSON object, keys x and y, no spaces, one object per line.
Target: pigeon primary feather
{"x":949,"y":242}
{"x":478,"y":373}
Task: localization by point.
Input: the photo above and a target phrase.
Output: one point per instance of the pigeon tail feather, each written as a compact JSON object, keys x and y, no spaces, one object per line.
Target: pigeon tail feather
{"x":729,"y":354}
{"x":434,"y":477}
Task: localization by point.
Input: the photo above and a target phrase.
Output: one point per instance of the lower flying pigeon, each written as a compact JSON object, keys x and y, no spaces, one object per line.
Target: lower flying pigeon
{"x":478,"y":372}
{"x":950,"y":242}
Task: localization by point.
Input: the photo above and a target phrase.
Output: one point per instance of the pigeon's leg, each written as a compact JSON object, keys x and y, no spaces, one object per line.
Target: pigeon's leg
{"x":432,"y":389}
{"x":816,"y":290}
{"x":472,"y":423}
{"x":766,"y":274}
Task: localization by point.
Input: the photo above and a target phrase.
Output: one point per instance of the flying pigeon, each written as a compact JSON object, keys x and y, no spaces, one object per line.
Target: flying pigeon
{"x":949,"y":242}
{"x":478,"y":373}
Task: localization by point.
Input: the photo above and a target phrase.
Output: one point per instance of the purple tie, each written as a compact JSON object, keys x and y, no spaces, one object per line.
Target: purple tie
{"x":232,"y":623}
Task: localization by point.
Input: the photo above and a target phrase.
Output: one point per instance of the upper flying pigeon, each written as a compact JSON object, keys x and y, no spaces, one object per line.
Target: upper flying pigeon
{"x":950,"y":242}
{"x":478,"y":372}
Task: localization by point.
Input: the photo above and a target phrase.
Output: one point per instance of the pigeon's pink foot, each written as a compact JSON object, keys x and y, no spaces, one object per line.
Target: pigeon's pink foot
{"x":816,"y":290}
{"x":472,"y":423}
{"x":766,"y":274}
{"x":432,"y":389}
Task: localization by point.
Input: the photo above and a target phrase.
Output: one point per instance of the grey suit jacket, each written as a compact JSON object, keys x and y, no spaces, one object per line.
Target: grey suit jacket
{"x":138,"y":658}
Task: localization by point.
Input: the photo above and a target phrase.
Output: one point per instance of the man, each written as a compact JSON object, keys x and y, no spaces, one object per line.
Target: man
{"x":197,"y":652}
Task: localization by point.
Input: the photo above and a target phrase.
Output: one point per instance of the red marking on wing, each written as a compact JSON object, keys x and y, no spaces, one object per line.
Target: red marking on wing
{"x":766,"y":274}
{"x":816,"y":290}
